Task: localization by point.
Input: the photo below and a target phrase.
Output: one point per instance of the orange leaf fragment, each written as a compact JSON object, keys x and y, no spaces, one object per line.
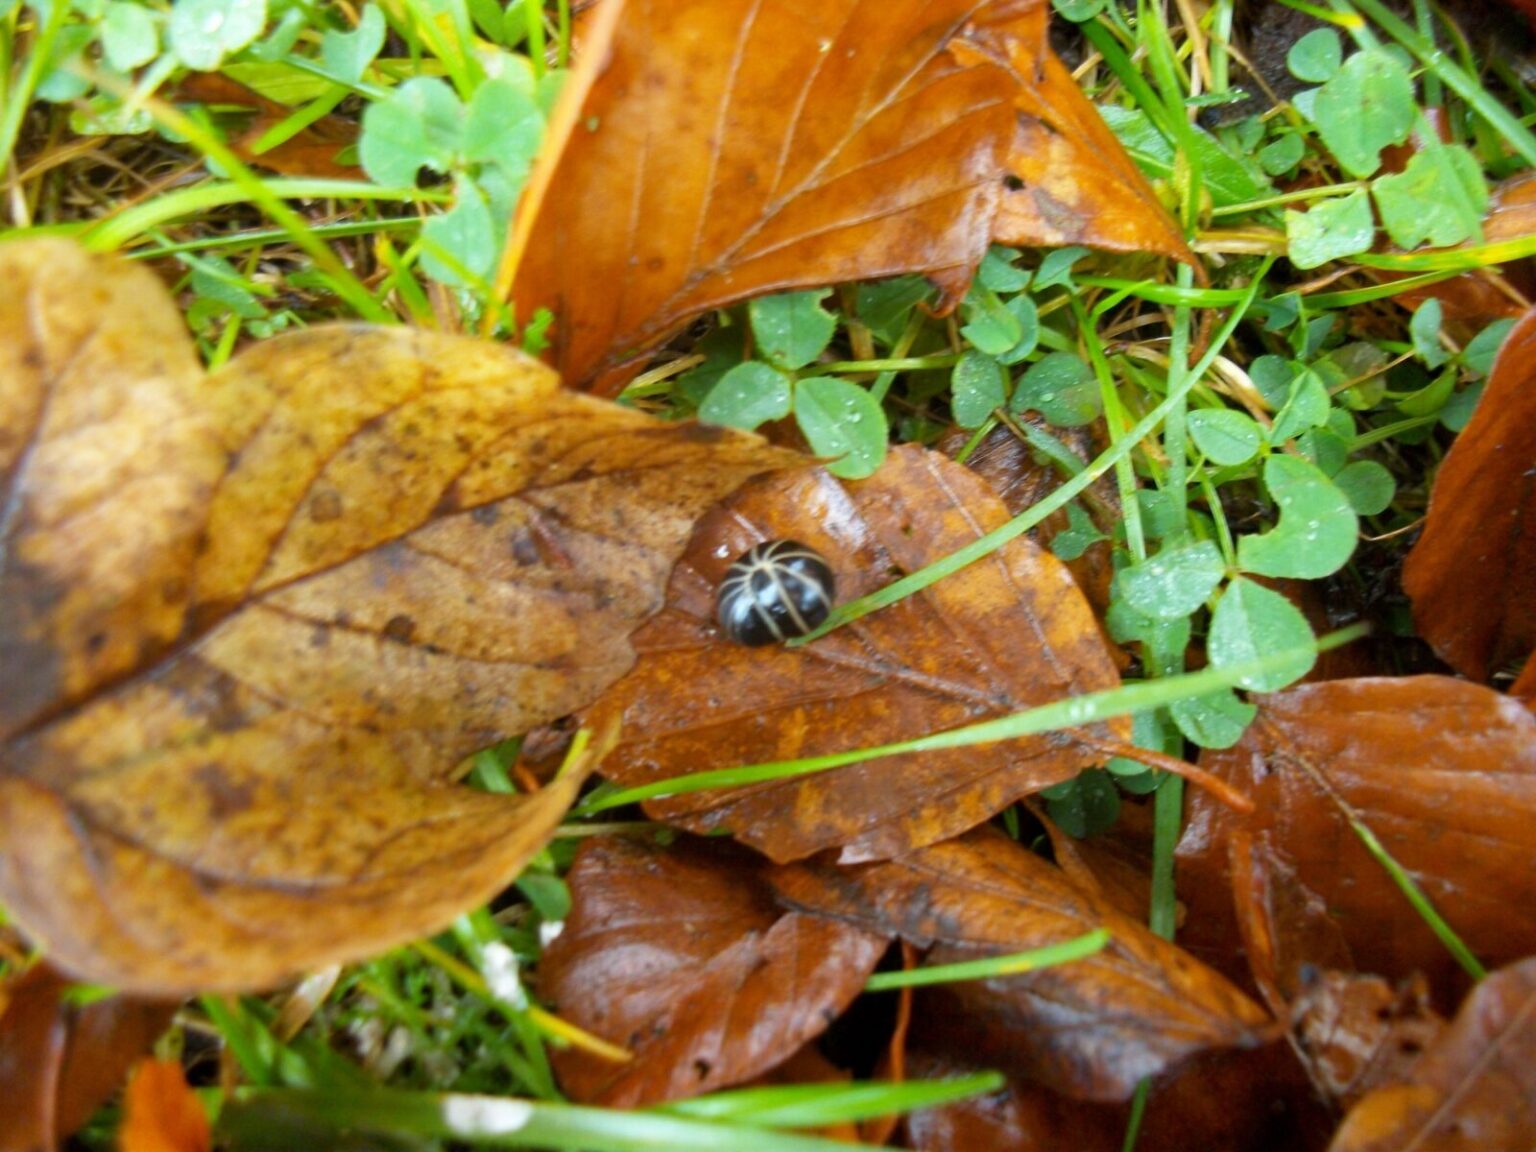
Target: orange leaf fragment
{"x":1005,"y":634}
{"x":160,"y":1113}
{"x":681,"y":956}
{"x":1470,"y":576}
{"x":250,"y":625}
{"x":729,"y":149}
{"x":1076,"y":184}
{"x":1475,"y":1088}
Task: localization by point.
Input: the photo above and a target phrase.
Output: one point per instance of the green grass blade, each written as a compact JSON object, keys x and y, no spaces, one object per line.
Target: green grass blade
{"x":1013,"y":964}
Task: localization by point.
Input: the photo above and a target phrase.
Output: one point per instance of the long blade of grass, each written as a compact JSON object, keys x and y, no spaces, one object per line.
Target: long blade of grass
{"x":1013,"y":964}
{"x":1022,"y":523}
{"x":815,"y":1105}
{"x":275,"y":1119}
{"x":1073,"y":712}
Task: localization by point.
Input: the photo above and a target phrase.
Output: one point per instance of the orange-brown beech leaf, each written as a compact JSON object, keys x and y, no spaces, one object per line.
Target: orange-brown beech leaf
{"x":1442,"y":771}
{"x":59,"y":1062}
{"x":1005,"y":634}
{"x":681,"y":956}
{"x":1076,"y":182}
{"x":1357,"y":1033}
{"x":249,"y":626}
{"x":1252,"y":1101}
{"x":1472,"y":575}
{"x":1093,"y":1028}
{"x":1475,"y":1088}
{"x":1006,"y":462}
{"x":729,"y":148}
{"x":160,"y":1113}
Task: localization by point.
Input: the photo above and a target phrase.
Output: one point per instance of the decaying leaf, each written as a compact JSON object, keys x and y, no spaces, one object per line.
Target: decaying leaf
{"x":1073,"y":182}
{"x":732,"y":149}
{"x":1251,"y":1101}
{"x":160,"y":1113}
{"x":1469,"y":576}
{"x":1005,"y":634}
{"x":1473,"y":1091}
{"x":680,"y":955}
{"x":1092,"y":1028}
{"x":248,"y":626}
{"x":1442,"y":771}
{"x":60,"y":1061}
{"x":1358,"y":1033}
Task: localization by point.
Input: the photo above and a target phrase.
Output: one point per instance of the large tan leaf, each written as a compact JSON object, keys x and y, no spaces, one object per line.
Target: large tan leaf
{"x":680,"y":955}
{"x":1092,"y":1028}
{"x":1472,"y":575}
{"x":1475,"y":1088}
{"x":1442,"y":771}
{"x":1005,"y":634}
{"x":249,"y":626}
{"x":729,"y":148}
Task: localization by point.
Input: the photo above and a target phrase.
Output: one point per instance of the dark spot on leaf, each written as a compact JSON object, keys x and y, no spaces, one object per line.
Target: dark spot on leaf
{"x":400,"y":628}
{"x":226,"y":797}
{"x":326,"y":506}
{"x":525,"y":550}
{"x":1013,"y":183}
{"x":702,"y":433}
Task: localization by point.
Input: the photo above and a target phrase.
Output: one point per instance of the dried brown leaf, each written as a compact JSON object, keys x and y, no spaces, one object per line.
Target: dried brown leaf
{"x":1472,"y":575}
{"x":59,"y":1061}
{"x":1092,"y":1028}
{"x":680,"y":955}
{"x":1005,"y":634}
{"x":248,"y":626}
{"x":1358,"y":1033}
{"x":729,"y":149}
{"x":1473,"y":1091}
{"x":1444,"y":773}
{"x":1253,"y":1101}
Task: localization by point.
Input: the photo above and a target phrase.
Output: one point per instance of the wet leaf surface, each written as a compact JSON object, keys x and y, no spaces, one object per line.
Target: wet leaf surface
{"x":249,"y":626}
{"x":1469,"y":576}
{"x":1008,"y":633}
{"x":1474,"y":1089}
{"x":1442,"y":771}
{"x":1092,"y":1028}
{"x":1255,"y":1101}
{"x":680,"y":955}
{"x":59,"y":1062}
{"x":732,"y":149}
